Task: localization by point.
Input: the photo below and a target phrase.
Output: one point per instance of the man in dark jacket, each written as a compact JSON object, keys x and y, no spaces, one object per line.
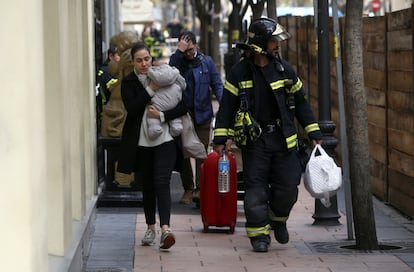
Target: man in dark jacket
{"x":261,"y":99}
{"x":174,"y":28}
{"x":202,"y":77}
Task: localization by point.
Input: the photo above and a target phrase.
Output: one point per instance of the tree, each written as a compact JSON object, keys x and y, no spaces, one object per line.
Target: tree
{"x":202,"y":8}
{"x":235,"y":22}
{"x":215,"y":41}
{"x":271,"y":9}
{"x":257,"y":8}
{"x":208,"y":13}
{"x":357,"y":130}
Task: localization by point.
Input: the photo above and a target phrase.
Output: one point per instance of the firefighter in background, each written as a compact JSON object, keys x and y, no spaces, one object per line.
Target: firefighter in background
{"x":154,"y":39}
{"x":105,"y":80}
{"x":114,"y":112}
{"x":174,"y":28}
{"x":261,"y":99}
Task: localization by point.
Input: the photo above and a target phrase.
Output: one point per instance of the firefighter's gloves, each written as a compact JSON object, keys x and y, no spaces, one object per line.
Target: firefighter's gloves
{"x":253,"y":127}
{"x":240,"y":135}
{"x":246,"y":129}
{"x":290,"y":97}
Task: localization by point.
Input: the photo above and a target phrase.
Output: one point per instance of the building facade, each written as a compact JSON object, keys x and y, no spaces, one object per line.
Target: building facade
{"x":47,"y":134}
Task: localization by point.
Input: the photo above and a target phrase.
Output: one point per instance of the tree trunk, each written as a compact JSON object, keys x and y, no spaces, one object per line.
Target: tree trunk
{"x":215,"y":43}
{"x":202,"y":9}
{"x":257,"y":9}
{"x":235,"y":23}
{"x":271,"y":9}
{"x":357,"y":130}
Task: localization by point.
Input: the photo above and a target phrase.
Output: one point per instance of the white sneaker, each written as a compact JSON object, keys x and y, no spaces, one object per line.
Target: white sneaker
{"x":149,"y":238}
{"x":167,"y":239}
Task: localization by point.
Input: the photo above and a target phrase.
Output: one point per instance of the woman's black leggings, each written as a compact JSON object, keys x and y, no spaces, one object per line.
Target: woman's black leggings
{"x":154,"y":168}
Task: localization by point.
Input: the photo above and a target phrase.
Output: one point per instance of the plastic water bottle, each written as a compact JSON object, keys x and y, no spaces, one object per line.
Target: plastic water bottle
{"x":224,"y":173}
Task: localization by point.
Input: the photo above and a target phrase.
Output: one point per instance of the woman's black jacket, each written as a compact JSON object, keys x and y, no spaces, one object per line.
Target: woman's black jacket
{"x":136,"y":99}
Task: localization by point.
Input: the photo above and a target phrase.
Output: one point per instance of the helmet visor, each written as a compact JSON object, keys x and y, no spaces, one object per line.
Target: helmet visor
{"x":280,"y":34}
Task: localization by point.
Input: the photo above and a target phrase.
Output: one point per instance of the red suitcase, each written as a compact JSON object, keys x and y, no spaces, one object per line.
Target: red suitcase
{"x":217,"y":209}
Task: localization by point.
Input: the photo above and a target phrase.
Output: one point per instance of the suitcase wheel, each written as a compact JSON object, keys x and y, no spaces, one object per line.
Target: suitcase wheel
{"x":231,"y":231}
{"x":205,"y":228}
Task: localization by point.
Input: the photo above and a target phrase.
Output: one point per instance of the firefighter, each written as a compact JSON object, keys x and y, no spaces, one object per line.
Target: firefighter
{"x":261,"y":99}
{"x":105,"y":81}
{"x":155,"y":41}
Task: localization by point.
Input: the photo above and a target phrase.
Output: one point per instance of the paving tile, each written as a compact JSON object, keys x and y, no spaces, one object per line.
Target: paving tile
{"x":218,"y":251}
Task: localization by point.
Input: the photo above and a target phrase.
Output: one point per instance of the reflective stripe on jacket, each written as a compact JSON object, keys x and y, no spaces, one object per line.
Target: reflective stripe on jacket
{"x":241,"y":78}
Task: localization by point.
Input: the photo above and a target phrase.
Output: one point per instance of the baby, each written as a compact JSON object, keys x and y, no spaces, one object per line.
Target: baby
{"x":171,"y":84}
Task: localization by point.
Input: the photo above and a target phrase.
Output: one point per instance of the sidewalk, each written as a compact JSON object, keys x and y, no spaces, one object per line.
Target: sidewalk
{"x":311,"y":248}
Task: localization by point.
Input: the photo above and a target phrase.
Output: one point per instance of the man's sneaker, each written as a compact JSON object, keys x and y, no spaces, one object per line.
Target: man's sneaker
{"x":187,"y":197}
{"x":281,"y":232}
{"x":167,"y":239}
{"x":260,"y":243}
{"x":149,"y":238}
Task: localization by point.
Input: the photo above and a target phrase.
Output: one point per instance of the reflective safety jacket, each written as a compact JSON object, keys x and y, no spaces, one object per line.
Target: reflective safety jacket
{"x":105,"y":81}
{"x":154,"y":45}
{"x":241,"y":78}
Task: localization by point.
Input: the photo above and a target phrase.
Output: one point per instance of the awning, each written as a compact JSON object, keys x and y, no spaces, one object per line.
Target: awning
{"x":137,"y":11}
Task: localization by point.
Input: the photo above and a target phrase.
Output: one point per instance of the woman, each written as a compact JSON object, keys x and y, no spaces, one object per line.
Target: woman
{"x":153,"y":159}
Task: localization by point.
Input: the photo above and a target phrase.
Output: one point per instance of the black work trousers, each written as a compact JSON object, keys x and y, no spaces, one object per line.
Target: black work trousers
{"x":271,"y":175}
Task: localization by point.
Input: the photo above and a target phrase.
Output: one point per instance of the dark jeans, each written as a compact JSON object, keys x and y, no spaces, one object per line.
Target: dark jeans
{"x":154,"y":167}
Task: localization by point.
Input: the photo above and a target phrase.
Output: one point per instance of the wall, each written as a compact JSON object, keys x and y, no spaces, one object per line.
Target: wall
{"x":47,"y":134}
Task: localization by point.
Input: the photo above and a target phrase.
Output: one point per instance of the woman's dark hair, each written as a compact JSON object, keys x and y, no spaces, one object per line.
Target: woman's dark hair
{"x":137,"y":47}
{"x":188,"y":35}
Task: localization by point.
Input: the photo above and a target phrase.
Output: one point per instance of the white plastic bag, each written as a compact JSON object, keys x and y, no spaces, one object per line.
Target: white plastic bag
{"x":322,"y":177}
{"x":192,"y":146}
